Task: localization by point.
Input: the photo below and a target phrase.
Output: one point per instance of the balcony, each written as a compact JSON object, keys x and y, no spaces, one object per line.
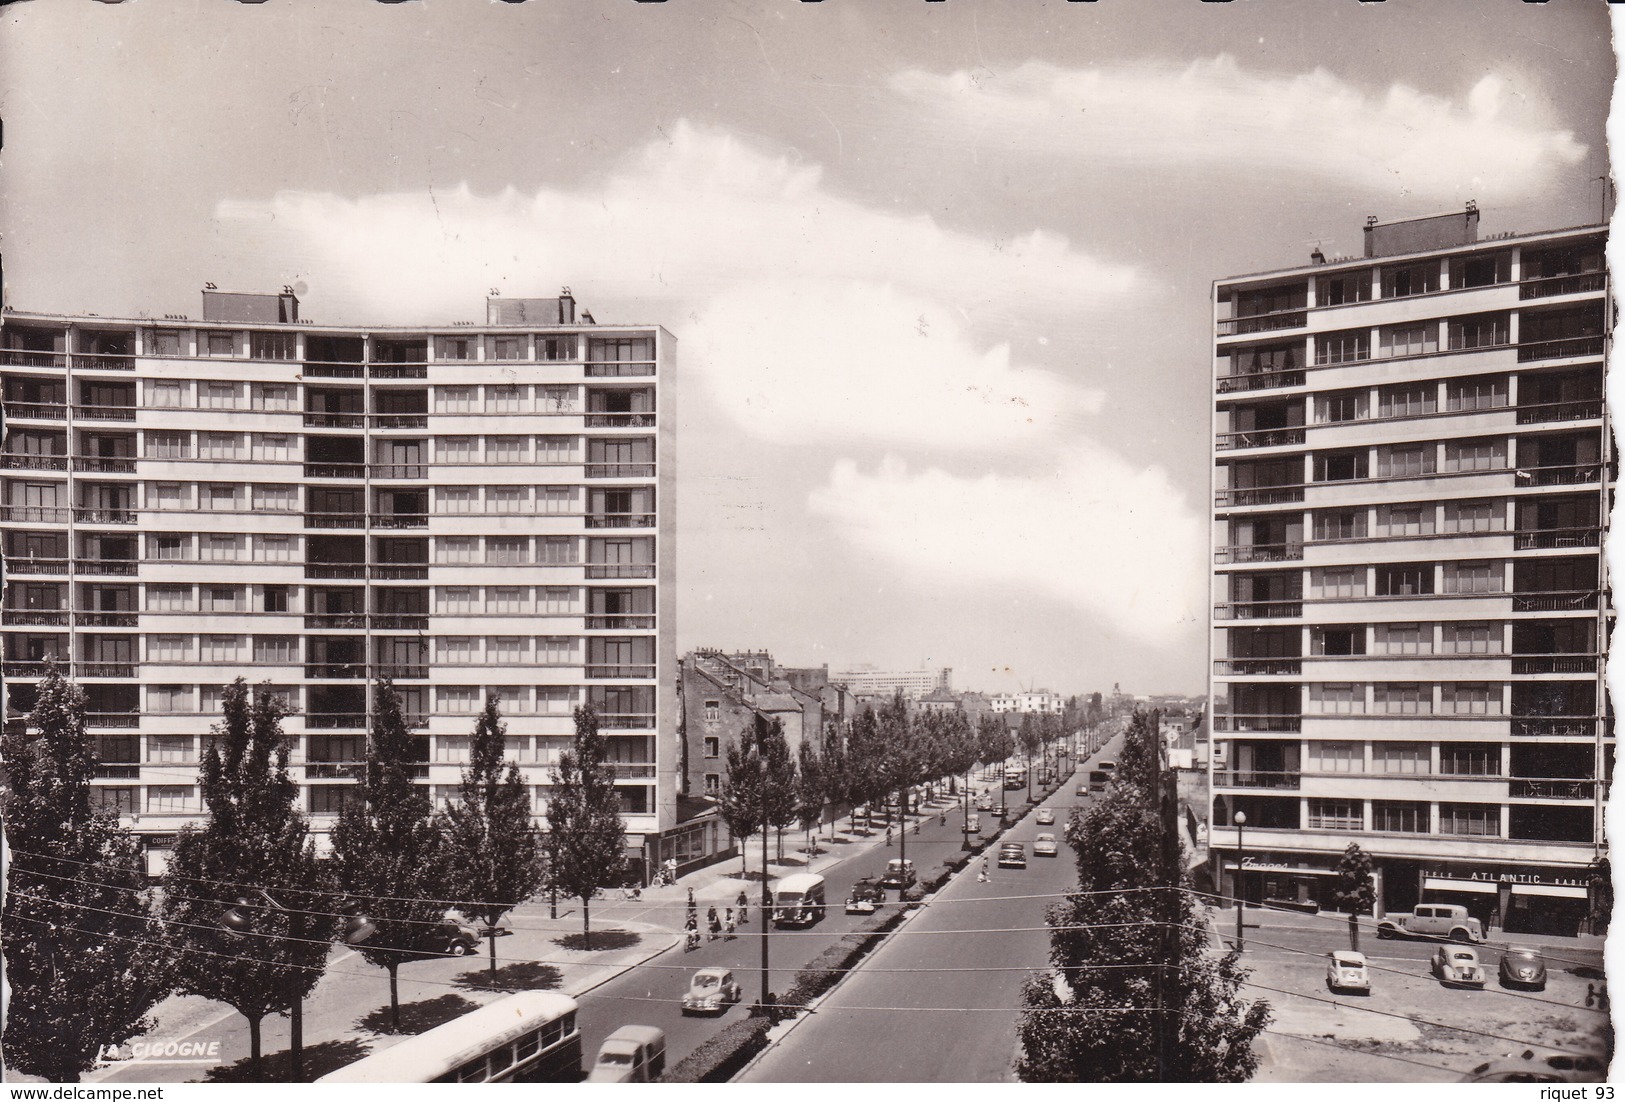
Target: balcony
{"x":118,"y":772}
{"x":1266,"y":723}
{"x":23,"y":357}
{"x":400,"y":420}
{"x":104,"y":464}
{"x":1259,"y":610}
{"x":331,"y":620}
{"x":617,"y":671}
{"x":1554,"y":726}
{"x":333,"y":420}
{"x":633,"y":771}
{"x":398,"y":371}
{"x":620,"y":520}
{"x":36,"y":566}
{"x":1261,"y":438}
{"x":400,"y":621}
{"x":325,"y":721}
{"x":1259,"y":495}
{"x":620,"y":470}
{"x":318,"y":370}
{"x":621,"y":622}
{"x":1252,"y":778}
{"x":1263,"y":323}
{"x":104,"y":516}
{"x":1560,"y":349}
{"x":1259,"y":552}
{"x":14,"y":462}
{"x":123,"y":720}
{"x":333,"y":770}
{"x":627,"y":721}
{"x":1555,"y":602}
{"x":620,"y":420}
{"x":1259,"y":380}
{"x":1554,"y":663}
{"x":336,"y":671}
{"x":103,"y":361}
{"x":335,"y":520}
{"x":400,"y":520}
{"x":33,"y":617}
{"x":618,"y":369}
{"x":105,"y":669}
{"x":43,"y":514}
{"x":620,"y":570}
{"x":1556,"y":537}
{"x":1551,"y":286}
{"x":106,"y":619}
{"x":335,"y":470}
{"x":400,"y":571}
{"x":400,"y":470}
{"x":105,"y":413}
{"x":1550,"y":788}
{"x":1584,"y":409}
{"x":1569,"y":474}
{"x":1257,"y":667}
{"x":29,"y":667}
{"x":403,"y":673}
{"x":335,"y":570}
{"x":124,"y":568}
{"x":36,"y":411}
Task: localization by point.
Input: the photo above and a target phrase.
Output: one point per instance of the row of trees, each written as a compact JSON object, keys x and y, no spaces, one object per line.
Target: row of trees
{"x":246,"y":911}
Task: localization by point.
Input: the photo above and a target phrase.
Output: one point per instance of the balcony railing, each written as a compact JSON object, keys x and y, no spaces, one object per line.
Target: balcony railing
{"x":620,"y":470}
{"x":106,"y":619}
{"x":112,"y":719}
{"x":1260,"y":438}
{"x":118,"y":772}
{"x":620,"y":570}
{"x":120,"y":567}
{"x":621,"y":622}
{"x":335,"y":520}
{"x":400,"y":520}
{"x":333,"y":770}
{"x":400,"y":420}
{"x":23,"y":357}
{"x":1568,"y":474}
{"x":398,"y":371}
{"x":1259,"y":610}
{"x":1259,"y":666}
{"x":36,"y":566}
{"x":400,"y":470}
{"x":34,"y":617}
{"x":403,"y":672}
{"x":37,"y":411}
{"x":1550,"y":788}
{"x":103,"y":361}
{"x":620,"y":420}
{"x":401,"y":621}
{"x":1554,"y":602}
{"x":29,"y":667}
{"x":1234,"y":722}
{"x":105,"y":464}
{"x":622,"y":721}
{"x":618,"y":671}
{"x":396,"y":571}
{"x":1549,"y":286}
{"x":336,"y":620}
{"x":106,"y":413}
{"x":1260,"y":380}
{"x":15,"y":462}
{"x":1264,"y":323}
{"x":1259,"y":495}
{"x":318,"y":370}
{"x":44,"y":514}
{"x":333,"y":420}
{"x":334,"y":671}
{"x":1556,"y":537}
{"x":1554,"y":726}
{"x":1560,"y":349}
{"x":620,"y":520}
{"x":335,"y":570}
{"x":330,"y":720}
{"x":1554,"y":663}
{"x":1259,"y":552}
{"x":104,"y":516}
{"x":335,"y":470}
{"x":633,"y":771}
{"x":1581,"y":409}
{"x":1254,"y":778}
{"x":106,"y":669}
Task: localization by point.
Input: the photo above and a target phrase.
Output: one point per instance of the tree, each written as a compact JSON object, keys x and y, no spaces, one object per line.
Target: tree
{"x":898,"y":752}
{"x":833,"y":771}
{"x":865,"y":760}
{"x":388,"y":851}
{"x":780,"y":797}
{"x":989,"y":734}
{"x":254,"y":839}
{"x":493,"y":856}
{"x":1354,"y":889}
{"x":84,"y":955}
{"x":1028,"y":737}
{"x":1128,"y":950}
{"x":741,"y":802}
{"x":588,"y":841}
{"x":809,"y":791}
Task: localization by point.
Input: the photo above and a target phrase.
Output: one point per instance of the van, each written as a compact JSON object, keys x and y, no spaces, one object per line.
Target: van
{"x":632,"y":1054}
{"x":1098,"y":779}
{"x":799,"y":900}
{"x":1107,"y":766}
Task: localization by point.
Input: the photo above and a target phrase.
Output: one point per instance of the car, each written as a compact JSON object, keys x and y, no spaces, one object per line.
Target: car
{"x":1012,"y":855}
{"x":899,"y":874}
{"x":973,"y":824}
{"x":1044,"y":846}
{"x":1535,"y":1066}
{"x":1046,"y":817}
{"x":1107,"y":766}
{"x":1458,"y":965}
{"x":984,"y":802}
{"x":1002,"y":812}
{"x":711,"y":991}
{"x":451,"y":939}
{"x":866,"y":897}
{"x":1083,"y":790}
{"x":1523,"y":967}
{"x":1347,"y":972}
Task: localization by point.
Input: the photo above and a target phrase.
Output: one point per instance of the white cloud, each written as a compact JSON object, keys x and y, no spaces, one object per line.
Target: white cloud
{"x":1492,"y":144}
{"x":1110,"y":539}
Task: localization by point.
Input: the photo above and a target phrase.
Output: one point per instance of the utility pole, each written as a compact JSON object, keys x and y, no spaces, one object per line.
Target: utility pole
{"x":767,"y":894}
{"x":1167,"y":794}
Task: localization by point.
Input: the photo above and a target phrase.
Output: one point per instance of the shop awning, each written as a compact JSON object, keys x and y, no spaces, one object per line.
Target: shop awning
{"x":1562,"y":891}
{"x":1439,"y":884}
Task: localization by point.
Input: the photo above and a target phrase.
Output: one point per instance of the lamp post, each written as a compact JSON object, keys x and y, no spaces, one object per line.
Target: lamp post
{"x":1241,"y":847}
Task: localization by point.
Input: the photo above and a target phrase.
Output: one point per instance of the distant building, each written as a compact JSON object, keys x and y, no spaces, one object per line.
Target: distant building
{"x":1037,"y":701}
{"x":940,"y":701}
{"x":913,"y":683}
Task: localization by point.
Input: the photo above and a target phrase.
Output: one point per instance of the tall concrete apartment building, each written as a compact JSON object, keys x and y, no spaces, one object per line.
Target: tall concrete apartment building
{"x":1412,"y":472}
{"x":863,"y":678}
{"x":465,"y":509}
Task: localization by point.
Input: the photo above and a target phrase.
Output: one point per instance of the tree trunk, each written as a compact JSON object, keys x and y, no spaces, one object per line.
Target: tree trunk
{"x":254,"y":1046}
{"x":394,"y":996}
{"x":586,"y":927}
{"x":491,"y":940}
{"x":1354,"y":929}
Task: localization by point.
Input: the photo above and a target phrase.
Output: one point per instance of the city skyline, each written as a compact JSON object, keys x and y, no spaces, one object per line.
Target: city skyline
{"x":939,"y":278}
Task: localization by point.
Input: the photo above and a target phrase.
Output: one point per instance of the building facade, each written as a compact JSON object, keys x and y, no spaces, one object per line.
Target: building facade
{"x":868,"y":680}
{"x":1037,"y":701}
{"x":467,"y":510}
{"x":1411,"y":474}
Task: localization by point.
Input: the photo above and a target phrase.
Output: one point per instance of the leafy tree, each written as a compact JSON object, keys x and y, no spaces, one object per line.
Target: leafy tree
{"x":990,"y":733}
{"x":588,"y":843}
{"x":83,"y":953}
{"x":833,"y":772}
{"x":741,"y":802}
{"x":1135,"y":994}
{"x":1028,"y":737}
{"x":388,"y":852}
{"x":493,"y":854}
{"x":865,"y":760}
{"x":1354,"y":889}
{"x":255,"y":839}
{"x":809,"y":790}
{"x":780,"y":795}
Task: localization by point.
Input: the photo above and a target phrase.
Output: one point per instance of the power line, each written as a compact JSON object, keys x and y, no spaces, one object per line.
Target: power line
{"x":1363,"y":1051}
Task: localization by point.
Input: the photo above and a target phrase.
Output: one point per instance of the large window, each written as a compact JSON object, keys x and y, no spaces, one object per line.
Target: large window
{"x":1471,"y":698}
{"x":1475,"y":516}
{"x":1404,"y":638}
{"x":1408,"y":400}
{"x":1476,"y":820}
{"x":1401,"y":280}
{"x":1410,"y":340}
{"x":1400,"y":816}
{"x":1337,"y":581}
{"x":1480,"y":331}
{"x":1340,"y":524}
{"x":1470,"y":759}
{"x":1343,"y":288}
{"x":1474,"y":577}
{"x":1485,"y":454}
{"x":1406,"y":758}
{"x":1478,"y":392}
{"x":1336,"y":757}
{"x":1406,"y":460}
{"x":1409,"y":519}
{"x":1336,"y":640}
{"x":272,"y":346}
{"x":1337,"y":698}
{"x":1405,"y":580}
{"x":1343,"y":405}
{"x":1336,"y":815}
{"x":274,"y":396}
{"x":1475,"y":637}
{"x":1349,"y":346}
{"x":1342,"y":466}
{"x":1402,"y":698}
{"x":168,"y":445}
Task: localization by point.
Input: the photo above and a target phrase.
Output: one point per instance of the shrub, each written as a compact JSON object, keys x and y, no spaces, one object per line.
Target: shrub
{"x":721,"y":1057}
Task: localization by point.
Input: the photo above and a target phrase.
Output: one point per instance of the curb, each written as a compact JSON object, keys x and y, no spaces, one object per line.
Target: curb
{"x":621,"y":969}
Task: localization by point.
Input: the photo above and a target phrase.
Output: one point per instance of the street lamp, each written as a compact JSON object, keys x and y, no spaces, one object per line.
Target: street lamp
{"x":1241,"y":846}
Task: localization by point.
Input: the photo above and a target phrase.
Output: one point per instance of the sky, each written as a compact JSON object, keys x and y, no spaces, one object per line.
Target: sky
{"x":940,"y":274}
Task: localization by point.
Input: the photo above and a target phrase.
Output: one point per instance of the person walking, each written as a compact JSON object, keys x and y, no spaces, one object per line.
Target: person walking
{"x":728,"y":925}
{"x":888,"y":836}
{"x":982,"y":876}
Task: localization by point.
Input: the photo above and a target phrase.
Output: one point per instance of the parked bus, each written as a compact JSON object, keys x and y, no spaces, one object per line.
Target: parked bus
{"x":531,"y":1037}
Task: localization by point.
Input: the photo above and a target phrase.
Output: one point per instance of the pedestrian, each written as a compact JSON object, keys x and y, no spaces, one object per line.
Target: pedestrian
{"x":728,"y":924}
{"x":714,"y":924}
{"x":744,"y":907}
{"x":693,"y":928}
{"x":888,"y":836}
{"x":982,"y":877}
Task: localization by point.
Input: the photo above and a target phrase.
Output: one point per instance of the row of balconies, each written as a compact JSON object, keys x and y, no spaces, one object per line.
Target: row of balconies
{"x":58,"y":411}
{"x":1534,"y":413}
{"x":320,"y":671}
{"x":1296,"y":375}
{"x":323,"y":369}
{"x":1292,"y":608}
{"x":322,"y":571}
{"x":1518,"y":788}
{"x":327,"y":721}
{"x":1523,"y":539}
{"x":1565,"y":474}
{"x":1519,"y":664}
{"x":1517,"y":726}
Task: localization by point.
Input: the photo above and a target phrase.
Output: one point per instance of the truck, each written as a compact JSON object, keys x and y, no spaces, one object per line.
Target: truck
{"x":1443,"y":920}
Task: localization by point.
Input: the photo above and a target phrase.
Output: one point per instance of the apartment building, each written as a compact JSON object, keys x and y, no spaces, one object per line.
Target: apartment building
{"x":1037,"y":701}
{"x":1411,"y":472}
{"x":465,"y":509}
{"x":868,"y":679}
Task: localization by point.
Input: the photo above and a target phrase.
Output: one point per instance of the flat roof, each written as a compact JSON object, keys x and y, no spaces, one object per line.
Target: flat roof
{"x":448,"y":329}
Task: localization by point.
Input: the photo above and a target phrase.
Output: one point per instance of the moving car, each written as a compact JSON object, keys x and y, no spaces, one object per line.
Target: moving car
{"x":1045,"y":817}
{"x":1098,"y":780}
{"x":1083,"y":790}
{"x":799,"y":900}
{"x":632,"y":1054}
{"x":984,"y":802}
{"x":1535,"y":1066}
{"x":866,"y":897}
{"x":1523,"y":967}
{"x":973,"y":824}
{"x":1458,"y":965}
{"x":899,"y":874}
{"x":451,"y":938}
{"x":712,"y":991}
{"x":1347,"y":972}
{"x":1044,"y":845}
{"x":1107,"y":766}
{"x":1012,"y":855}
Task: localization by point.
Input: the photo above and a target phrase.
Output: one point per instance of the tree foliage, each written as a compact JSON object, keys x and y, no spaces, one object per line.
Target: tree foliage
{"x":254,"y":839}
{"x":83,"y":953}
{"x":1138,"y":950}
{"x":1354,"y":889}
{"x":588,"y":838}
{"x":493,"y":855}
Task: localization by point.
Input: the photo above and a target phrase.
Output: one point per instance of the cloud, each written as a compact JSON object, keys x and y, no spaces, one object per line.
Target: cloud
{"x":1216,"y":115}
{"x":1111,"y":539}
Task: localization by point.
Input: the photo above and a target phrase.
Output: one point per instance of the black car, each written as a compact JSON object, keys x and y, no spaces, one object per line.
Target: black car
{"x":452,"y":939}
{"x":1012,"y":855}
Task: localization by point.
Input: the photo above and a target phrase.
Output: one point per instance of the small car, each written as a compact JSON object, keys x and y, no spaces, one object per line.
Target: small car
{"x":1002,"y":812}
{"x":866,"y":897}
{"x":984,"y":802}
{"x":1044,"y":846}
{"x":1083,"y":789}
{"x":1523,"y":967}
{"x":899,"y":874}
{"x":1046,"y":817}
{"x":1012,"y":855}
{"x":712,"y":991}
{"x":973,"y":824}
{"x":1458,"y":965}
{"x":1347,"y":972}
{"x":1532,"y":1066}
{"x":450,"y":938}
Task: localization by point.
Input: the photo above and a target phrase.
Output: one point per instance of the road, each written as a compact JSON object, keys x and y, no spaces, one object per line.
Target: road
{"x":954,"y":1020}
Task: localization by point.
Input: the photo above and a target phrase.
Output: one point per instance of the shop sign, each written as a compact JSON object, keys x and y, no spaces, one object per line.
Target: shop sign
{"x":1510,"y":876}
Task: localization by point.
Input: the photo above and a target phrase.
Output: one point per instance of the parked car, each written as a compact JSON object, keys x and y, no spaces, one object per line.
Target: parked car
{"x":1523,"y":967}
{"x":712,"y":991}
{"x":1012,"y":855}
{"x":973,"y":824}
{"x":1347,"y":972}
{"x":1535,"y":1066}
{"x":899,"y":874}
{"x":1449,"y":920}
{"x":1458,"y":965}
{"x":1044,"y":845}
{"x":866,"y":898}
{"x":1045,"y":817}
{"x":632,"y":1054}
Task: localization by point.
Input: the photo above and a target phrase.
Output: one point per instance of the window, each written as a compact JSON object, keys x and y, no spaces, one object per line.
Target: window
{"x":1485,"y":454}
{"x":1337,"y":698}
{"x":1474,"y":516}
{"x":507,"y":650}
{"x":1477,"y":820}
{"x":505,"y":348}
{"x":1473,"y":577}
{"x":456,"y":549}
{"x":1350,"y":346}
{"x":455,"y":348}
{"x":1337,"y":640}
{"x":214,"y":698}
{"x":1480,"y":392}
{"x":1400,"y":698}
{"x":274,"y":598}
{"x":555,"y":449}
{"x":217,"y":395}
{"x":1347,"y":287}
{"x":272,"y":346}
{"x":1410,"y":279}
{"x":1470,"y":759}
{"x":457,"y":699}
{"x":120,"y":800}
{"x":556,"y":499}
{"x":223,"y":598}
{"x":557,"y":650}
{"x":1470,"y":637}
{"x":173,"y":748}
{"x":220,"y":342}
{"x":166,"y":342}
{"x":457,"y":449}
{"x":1344,"y":405}
{"x":1337,"y":581}
{"x":713,"y":744}
{"x":456,"y":600}
{"x":1400,"y":816}
{"x":168,"y":445}
{"x":1480,"y":270}
{"x":270,"y":498}
{"x":456,"y":399}
{"x":558,"y":550}
{"x":461,"y":650}
{"x":1405,"y":580}
{"x":330,"y":799}
{"x":220,"y":496}
{"x":168,"y":495}
{"x":222,"y":547}
{"x":273,"y":397}
{"x":169,"y":547}
{"x":507,"y":499}
{"x":1479,"y":331}
{"x":168,"y":394}
{"x":1471,"y":698}
{"x":451,"y":749}
{"x":457,"y":499}
{"x":1405,"y":520}
{"x":222,"y":648}
{"x":507,"y":449}
{"x":1406,"y":460}
{"x":505,"y":399}
{"x":1409,"y":400}
{"x":171,"y":799}
{"x":1340,"y":524}
{"x":273,"y":448}
{"x":557,"y":399}
{"x":507,"y":550}
{"x":1404,"y":638}
{"x":167,"y":648}
{"x":507,"y":600}
{"x":554,"y":601}
{"x":1410,"y":340}
{"x":169,"y":598}
{"x":713,"y":784}
{"x":1336,"y":815}
{"x":555,"y":700}
{"x":555,"y":348}
{"x":1336,"y":757}
{"x":1406,"y":758}
{"x":276,"y":650}
{"x":1341,"y":466}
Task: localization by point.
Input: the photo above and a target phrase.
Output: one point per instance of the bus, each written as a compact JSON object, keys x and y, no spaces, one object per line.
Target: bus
{"x":531,"y":1037}
{"x":1015,"y":776}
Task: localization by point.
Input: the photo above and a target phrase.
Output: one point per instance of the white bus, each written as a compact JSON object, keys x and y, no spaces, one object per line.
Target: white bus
{"x":531,"y":1037}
